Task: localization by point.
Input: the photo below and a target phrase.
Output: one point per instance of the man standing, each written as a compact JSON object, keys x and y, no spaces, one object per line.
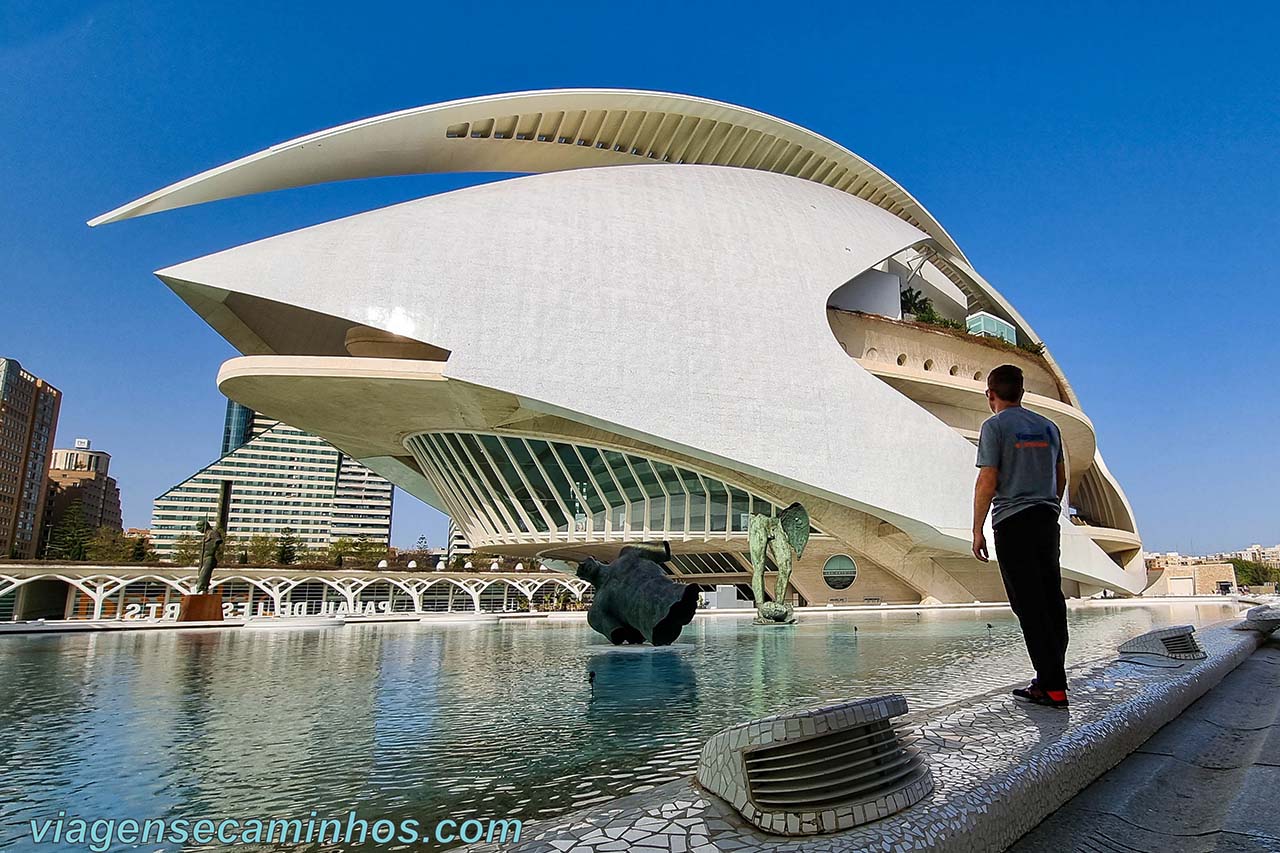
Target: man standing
{"x":1022,"y":478}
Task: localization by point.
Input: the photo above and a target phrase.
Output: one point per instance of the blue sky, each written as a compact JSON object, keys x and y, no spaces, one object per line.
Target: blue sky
{"x":1113,"y":168}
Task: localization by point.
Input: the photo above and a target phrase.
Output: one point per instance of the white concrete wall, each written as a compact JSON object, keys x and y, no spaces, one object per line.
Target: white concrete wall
{"x":685,"y":305}
{"x":871,"y":292}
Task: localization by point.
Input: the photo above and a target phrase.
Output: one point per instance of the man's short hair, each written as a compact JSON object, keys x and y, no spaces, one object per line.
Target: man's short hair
{"x":1006,"y":382}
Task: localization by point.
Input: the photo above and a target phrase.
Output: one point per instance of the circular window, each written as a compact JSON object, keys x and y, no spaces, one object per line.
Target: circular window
{"x":902,"y":359}
{"x":977,"y":374}
{"x":954,"y":370}
{"x":840,"y":571}
{"x":928,"y":364}
{"x":872,"y":353}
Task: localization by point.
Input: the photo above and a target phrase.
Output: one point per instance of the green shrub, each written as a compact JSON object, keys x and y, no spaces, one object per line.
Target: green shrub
{"x":933,"y":318}
{"x":1250,"y":573}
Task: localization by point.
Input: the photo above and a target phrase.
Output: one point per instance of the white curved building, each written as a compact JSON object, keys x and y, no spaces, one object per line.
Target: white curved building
{"x":595,"y":354}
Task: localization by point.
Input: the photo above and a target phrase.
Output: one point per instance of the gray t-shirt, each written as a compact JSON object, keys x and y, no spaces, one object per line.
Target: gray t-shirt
{"x":1026,"y":448}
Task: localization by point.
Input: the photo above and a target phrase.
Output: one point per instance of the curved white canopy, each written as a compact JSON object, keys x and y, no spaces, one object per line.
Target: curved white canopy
{"x":413,"y":261}
{"x":547,"y":131}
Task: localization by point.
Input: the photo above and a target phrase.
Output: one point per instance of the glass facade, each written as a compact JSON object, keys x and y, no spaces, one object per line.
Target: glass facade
{"x":237,"y":427}
{"x":990,"y":326}
{"x":718,"y":563}
{"x":504,"y":488}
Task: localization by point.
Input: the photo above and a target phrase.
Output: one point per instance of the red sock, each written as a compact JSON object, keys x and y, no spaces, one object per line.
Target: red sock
{"x":1057,"y":695}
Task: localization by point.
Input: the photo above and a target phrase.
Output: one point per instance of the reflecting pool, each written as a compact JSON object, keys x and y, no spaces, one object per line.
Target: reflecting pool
{"x":437,"y":720}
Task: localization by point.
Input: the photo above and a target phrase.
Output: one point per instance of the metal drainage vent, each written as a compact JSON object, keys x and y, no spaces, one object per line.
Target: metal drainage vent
{"x":1178,"y":643}
{"x":818,"y":770}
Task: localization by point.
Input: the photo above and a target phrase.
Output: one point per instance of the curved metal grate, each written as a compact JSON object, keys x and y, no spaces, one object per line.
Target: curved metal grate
{"x":1177,"y":642}
{"x":855,"y":764}
{"x":820,"y":769}
{"x":1182,"y":644}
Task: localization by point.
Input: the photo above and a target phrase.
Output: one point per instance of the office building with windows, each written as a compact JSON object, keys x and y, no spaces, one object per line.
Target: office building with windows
{"x":273,"y":479}
{"x":81,"y":475}
{"x":457,"y":545}
{"x":28,"y":420}
{"x":683,"y":313}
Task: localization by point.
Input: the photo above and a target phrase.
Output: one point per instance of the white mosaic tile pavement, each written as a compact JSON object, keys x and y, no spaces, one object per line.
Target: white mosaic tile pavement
{"x":998,"y":768}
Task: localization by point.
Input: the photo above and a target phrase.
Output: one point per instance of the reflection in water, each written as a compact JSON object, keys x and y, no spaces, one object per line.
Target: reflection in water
{"x":434,"y":721}
{"x":641,"y":680}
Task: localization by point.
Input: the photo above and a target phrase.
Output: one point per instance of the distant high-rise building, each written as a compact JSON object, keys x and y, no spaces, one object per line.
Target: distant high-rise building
{"x":361,"y":504}
{"x":81,"y":474}
{"x":458,"y":545}
{"x":237,"y":427}
{"x":28,"y":420}
{"x":275,"y":477}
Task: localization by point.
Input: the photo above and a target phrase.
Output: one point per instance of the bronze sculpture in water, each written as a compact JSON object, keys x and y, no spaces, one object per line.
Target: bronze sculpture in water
{"x":634,"y":599}
{"x":777,"y":536}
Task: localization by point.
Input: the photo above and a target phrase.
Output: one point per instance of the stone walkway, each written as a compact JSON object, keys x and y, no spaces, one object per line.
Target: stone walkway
{"x":1208,"y":781}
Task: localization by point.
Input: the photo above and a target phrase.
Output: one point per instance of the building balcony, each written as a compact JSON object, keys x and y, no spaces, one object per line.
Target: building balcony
{"x":938,"y":351}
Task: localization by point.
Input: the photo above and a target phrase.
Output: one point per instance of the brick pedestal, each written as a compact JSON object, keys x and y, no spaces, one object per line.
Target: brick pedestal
{"x":201,"y":608}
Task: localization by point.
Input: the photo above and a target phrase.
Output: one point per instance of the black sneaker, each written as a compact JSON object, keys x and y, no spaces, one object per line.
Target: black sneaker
{"x":1047,"y":699}
{"x":1028,"y":693}
{"x":1033,"y":694}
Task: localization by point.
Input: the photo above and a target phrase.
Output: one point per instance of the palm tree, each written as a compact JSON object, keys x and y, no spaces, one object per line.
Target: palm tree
{"x":914,"y":302}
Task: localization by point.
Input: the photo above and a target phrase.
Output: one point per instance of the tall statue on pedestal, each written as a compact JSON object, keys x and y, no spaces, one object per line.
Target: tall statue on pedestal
{"x":776,"y":536}
{"x":209,"y":545}
{"x":202,"y":605}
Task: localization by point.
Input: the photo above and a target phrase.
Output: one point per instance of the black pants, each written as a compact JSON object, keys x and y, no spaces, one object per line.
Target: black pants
{"x":1027,"y":548}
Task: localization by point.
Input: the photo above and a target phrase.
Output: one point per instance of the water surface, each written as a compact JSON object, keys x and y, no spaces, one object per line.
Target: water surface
{"x":434,"y":721}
